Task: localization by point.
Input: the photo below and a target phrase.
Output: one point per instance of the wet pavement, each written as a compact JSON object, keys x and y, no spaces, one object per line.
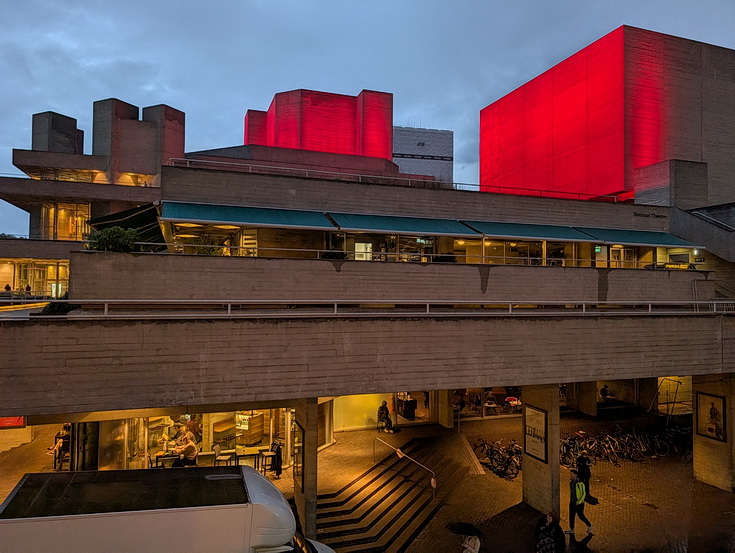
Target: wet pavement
{"x":654,"y":506}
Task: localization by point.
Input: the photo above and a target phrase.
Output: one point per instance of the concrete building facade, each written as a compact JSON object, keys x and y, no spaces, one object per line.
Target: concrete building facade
{"x":297,"y":288}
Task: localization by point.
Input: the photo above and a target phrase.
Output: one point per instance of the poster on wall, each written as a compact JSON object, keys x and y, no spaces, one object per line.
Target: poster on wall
{"x":711,"y":416}
{"x":12,"y":422}
{"x":535,"y":433}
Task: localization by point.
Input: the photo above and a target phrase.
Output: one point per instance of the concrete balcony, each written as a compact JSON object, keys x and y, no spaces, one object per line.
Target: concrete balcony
{"x":81,"y":366}
{"x":103,"y":275}
{"x":37,"y":249}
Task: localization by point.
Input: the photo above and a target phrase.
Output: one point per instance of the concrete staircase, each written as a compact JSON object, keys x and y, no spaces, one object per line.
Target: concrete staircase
{"x":383,"y":509}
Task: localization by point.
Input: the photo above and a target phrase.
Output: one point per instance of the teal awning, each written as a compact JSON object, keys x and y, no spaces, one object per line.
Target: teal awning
{"x":612,"y":236}
{"x":401,"y":225}
{"x":523,"y":231}
{"x":206,"y":214}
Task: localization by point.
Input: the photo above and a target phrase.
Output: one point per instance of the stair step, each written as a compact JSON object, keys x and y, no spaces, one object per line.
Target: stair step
{"x":385,"y":508}
{"x":380,"y":468}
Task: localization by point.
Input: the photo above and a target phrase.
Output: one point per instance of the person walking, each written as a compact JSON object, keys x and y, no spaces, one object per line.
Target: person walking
{"x":549,"y":535}
{"x":584,"y":473}
{"x":577,"y":493}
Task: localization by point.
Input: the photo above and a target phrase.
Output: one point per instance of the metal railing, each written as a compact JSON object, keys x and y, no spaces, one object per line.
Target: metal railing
{"x":154,"y":308}
{"x":402,"y":455}
{"x":308,"y":173}
{"x":404,"y":181}
{"x":403,"y":256}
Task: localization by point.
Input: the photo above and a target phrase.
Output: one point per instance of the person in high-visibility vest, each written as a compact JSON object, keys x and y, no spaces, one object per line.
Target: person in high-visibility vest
{"x":577,"y":494}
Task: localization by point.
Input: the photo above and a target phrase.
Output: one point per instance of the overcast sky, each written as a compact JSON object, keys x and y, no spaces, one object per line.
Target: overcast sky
{"x":443,"y":60}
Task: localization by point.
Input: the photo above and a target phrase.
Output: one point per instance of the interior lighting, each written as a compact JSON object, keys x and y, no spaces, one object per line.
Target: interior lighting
{"x":188,"y":225}
{"x":186,"y":236}
{"x":226,"y":227}
{"x":617,"y":246}
{"x":696,"y":252}
{"x":460,"y":242}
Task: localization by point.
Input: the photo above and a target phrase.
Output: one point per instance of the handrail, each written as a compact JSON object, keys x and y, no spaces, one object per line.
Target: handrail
{"x":402,"y":455}
{"x":156,"y":308}
{"x":402,"y":256}
{"x":468,"y":187}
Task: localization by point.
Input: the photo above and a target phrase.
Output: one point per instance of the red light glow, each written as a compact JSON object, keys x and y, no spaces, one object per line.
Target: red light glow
{"x":562,"y":132}
{"x":325,"y":122}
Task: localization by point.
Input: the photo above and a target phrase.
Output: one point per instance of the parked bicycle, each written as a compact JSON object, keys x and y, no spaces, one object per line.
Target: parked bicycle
{"x":507,"y":461}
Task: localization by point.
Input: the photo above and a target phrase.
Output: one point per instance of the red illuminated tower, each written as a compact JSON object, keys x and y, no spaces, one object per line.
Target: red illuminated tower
{"x":634,"y":98}
{"x":324,"y":122}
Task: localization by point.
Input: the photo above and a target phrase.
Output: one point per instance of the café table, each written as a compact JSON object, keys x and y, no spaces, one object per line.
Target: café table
{"x":163,"y":456}
{"x":242,"y":452}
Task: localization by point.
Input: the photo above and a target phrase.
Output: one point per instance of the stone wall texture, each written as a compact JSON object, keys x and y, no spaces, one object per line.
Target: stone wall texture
{"x":81,"y":366}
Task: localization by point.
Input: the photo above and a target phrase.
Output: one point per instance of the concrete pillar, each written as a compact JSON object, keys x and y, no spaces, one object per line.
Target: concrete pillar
{"x":541,"y":447}
{"x":444,"y":408}
{"x":647,"y":393}
{"x":305,"y":483}
{"x":714,"y":415}
{"x":586,"y":398}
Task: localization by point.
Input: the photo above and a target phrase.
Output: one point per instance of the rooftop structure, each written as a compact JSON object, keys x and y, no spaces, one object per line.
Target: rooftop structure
{"x":606,"y":122}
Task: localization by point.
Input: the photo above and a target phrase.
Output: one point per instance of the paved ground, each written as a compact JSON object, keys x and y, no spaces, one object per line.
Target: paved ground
{"x":654,"y":507}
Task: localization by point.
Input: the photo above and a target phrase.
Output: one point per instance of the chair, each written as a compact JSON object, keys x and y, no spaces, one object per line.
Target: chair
{"x":266,"y":461}
{"x":380,"y":426}
{"x":219,"y":457}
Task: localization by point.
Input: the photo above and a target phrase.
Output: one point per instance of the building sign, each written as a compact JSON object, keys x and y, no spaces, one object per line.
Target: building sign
{"x":535,"y":433}
{"x":710,"y":415}
{"x":12,"y":422}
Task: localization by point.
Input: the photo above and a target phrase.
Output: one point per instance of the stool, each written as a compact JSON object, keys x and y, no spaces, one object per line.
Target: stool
{"x":266,"y":461}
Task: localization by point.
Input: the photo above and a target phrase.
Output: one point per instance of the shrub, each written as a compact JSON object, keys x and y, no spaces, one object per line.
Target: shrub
{"x":61,"y":308}
{"x":114,"y":239}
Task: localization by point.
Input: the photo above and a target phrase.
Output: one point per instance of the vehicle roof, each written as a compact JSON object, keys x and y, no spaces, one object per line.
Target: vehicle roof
{"x":77,"y":493}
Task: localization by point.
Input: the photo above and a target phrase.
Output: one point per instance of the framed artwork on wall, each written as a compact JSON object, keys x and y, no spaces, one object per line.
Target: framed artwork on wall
{"x":711,"y":416}
{"x":535,"y":433}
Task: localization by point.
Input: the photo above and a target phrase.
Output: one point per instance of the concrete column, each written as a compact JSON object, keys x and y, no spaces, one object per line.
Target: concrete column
{"x":647,"y":393}
{"x":713,"y":447}
{"x":541,"y":470}
{"x":444,"y":408}
{"x":586,"y":398}
{"x":305,"y":485}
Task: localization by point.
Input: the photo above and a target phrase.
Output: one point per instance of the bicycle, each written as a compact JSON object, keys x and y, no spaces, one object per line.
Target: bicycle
{"x":507,"y":461}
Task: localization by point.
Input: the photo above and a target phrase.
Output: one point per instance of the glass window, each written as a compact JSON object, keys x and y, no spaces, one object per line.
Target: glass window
{"x":64,"y":221}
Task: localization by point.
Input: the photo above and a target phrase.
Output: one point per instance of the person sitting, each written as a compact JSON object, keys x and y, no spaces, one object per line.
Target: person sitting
{"x":384,"y":417}
{"x":187,"y":453}
{"x":606,"y":393}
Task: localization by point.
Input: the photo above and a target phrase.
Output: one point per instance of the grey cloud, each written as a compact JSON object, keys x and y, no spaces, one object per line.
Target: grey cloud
{"x":443,"y":61}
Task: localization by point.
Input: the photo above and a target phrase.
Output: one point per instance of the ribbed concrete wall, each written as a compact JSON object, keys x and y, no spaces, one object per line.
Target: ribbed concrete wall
{"x":102,"y":275}
{"x":78,"y":366}
{"x":206,"y":186}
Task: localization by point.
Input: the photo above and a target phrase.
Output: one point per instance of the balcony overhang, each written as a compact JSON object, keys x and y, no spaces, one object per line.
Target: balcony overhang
{"x":60,"y":166}
{"x":25,"y":193}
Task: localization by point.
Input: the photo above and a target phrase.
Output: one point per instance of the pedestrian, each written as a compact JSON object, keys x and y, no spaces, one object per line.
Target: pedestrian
{"x":8,"y":288}
{"x":584,"y":473}
{"x":549,"y":535}
{"x":384,"y":417}
{"x":577,"y":494}
{"x":470,"y":544}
